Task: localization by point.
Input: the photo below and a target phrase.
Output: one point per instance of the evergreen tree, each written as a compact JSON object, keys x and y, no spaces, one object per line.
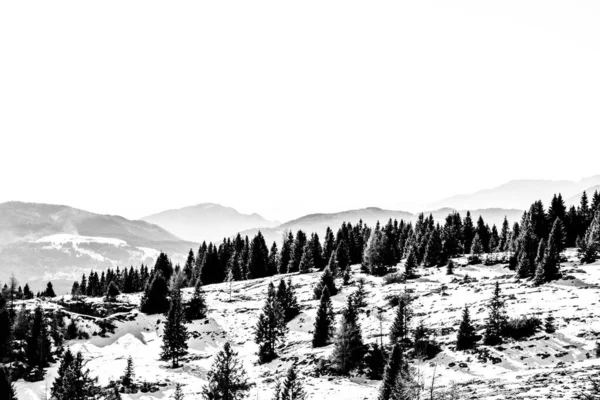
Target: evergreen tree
{"x":316,"y":251}
{"x":271,"y":328}
{"x":324,"y":321}
{"x":273,"y":262}
{"x":394,"y":370}
{"x":196,"y":307}
{"x":328,"y":245}
{"x":286,"y":295}
{"x":128,"y":375}
{"x":325,"y":281}
{"x":483,"y":231}
{"x":227,"y":379}
{"x":164,"y":266}
{"x":496,"y":318}
{"x":58,"y":384}
{"x":154,"y":299}
{"x":468,"y":232}
{"x":400,"y":326}
{"x":286,"y":253}
{"x":234,"y":267}
{"x":27,"y":293}
{"x":332,"y":265}
{"x":6,"y":335}
{"x":549,"y":326}
{"x":175,"y":333}
{"x":548,"y":267}
{"x":376,"y":361}
{"x":557,"y":209}
{"x":178,"y":395}
{"x":410,"y":265}
{"x":49,"y":292}
{"x":342,"y":255}
{"x":477,"y":246}
{"x":188,"y":268}
{"x":38,"y":343}
{"x":349,"y":347}
{"x":291,"y":388}
{"x":307,"y":261}
{"x":465,"y":338}
{"x":7,"y":389}
{"x":297,"y":251}
{"x":504,"y":236}
{"x":433,"y":251}
{"x":258,"y":258}
{"x":589,"y":246}
{"x":112,"y":292}
{"x":450,"y":268}
{"x":527,"y":251}
{"x":75,"y":383}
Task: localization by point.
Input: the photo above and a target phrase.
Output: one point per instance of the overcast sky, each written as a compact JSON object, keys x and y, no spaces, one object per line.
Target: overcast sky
{"x":286,"y":108}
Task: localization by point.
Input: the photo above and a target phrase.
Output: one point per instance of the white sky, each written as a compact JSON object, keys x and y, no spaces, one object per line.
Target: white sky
{"x":285,"y":108}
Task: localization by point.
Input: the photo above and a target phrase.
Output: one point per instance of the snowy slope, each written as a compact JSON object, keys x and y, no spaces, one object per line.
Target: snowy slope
{"x":545,"y":364}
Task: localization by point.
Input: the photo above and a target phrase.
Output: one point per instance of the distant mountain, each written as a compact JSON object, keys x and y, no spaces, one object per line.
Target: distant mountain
{"x":319,"y":222}
{"x":39,"y":242}
{"x":575,"y":200}
{"x":207,"y":221}
{"x":518,"y":194}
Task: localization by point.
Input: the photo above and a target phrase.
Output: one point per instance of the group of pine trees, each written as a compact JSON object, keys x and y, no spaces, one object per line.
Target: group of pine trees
{"x":127,"y":281}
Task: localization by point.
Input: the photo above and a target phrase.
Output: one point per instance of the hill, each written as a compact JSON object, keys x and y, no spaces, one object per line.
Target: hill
{"x":208,"y":221}
{"x":518,"y":194}
{"x":544,"y":365}
{"x":39,"y":242}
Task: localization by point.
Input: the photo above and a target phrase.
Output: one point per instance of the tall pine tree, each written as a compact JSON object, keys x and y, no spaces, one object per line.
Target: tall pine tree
{"x":175,"y":333}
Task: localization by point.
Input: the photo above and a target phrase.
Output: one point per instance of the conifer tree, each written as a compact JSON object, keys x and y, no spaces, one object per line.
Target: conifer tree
{"x":66,"y":361}
{"x":258,"y":258}
{"x":227,"y":379}
{"x":325,"y":281}
{"x":589,"y":245}
{"x":7,"y":389}
{"x":175,"y":333}
{"x":128,"y":375}
{"x":504,"y":236}
{"x":6,"y":335}
{"x":234,"y":267}
{"x":400,"y":326}
{"x":476,"y":246}
{"x":450,"y":268}
{"x":316,"y":251}
{"x":286,"y":295}
{"x":548,"y":268}
{"x":49,"y":292}
{"x":465,"y":337}
{"x":376,"y":361}
{"x":164,"y":266}
{"x":188,"y":268}
{"x":271,"y":328}
{"x":332,"y":265}
{"x":155,"y":299}
{"x":291,"y":388}
{"x":297,"y":251}
{"x":496,"y":320}
{"x":328,"y":245}
{"x":324,"y":321}
{"x":286,"y":252}
{"x":433,"y":250}
{"x":410,"y":265}
{"x":112,"y":292}
{"x":178,"y":395}
{"x":393,"y":371}
{"x":549,"y":326}
{"x":342,"y":255}
{"x":468,"y":232}
{"x":38,"y":343}
{"x":307,"y":260}
{"x":527,"y":250}
{"x":75,"y":383}
{"x":349,"y":347}
{"x":273,"y":262}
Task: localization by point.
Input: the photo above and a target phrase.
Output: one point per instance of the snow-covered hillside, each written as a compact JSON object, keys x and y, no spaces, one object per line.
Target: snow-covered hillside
{"x":543,"y":366}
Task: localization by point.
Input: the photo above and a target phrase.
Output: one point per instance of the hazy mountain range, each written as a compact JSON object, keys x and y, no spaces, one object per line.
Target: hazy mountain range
{"x":207,"y":221}
{"x":520,"y":194}
{"x":40,"y":242}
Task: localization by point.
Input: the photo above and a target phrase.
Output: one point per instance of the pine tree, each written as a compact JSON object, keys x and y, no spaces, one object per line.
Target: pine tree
{"x":178,"y":395}
{"x":450,"y":268}
{"x":548,"y":268}
{"x":258,"y":258}
{"x":477,"y":246}
{"x":433,"y":251}
{"x":527,"y":250}
{"x":175,"y":333}
{"x":65,"y":363}
{"x":234,"y":267}
{"x":7,"y":389}
{"x":393,"y":371}
{"x":325,"y":281}
{"x":549,"y":326}
{"x":297,"y":251}
{"x":307,"y":261}
{"x":342,"y":255}
{"x":112,"y":292}
{"x":291,"y":388}
{"x":271,"y":328}
{"x":49,"y":292}
{"x":376,"y":361}
{"x":504,"y":236}
{"x":155,"y":300}
{"x":286,"y":295}
{"x":227,"y":379}
{"x":589,"y":245}
{"x":328,"y":245}
{"x":410,"y":265}
{"x":496,"y":318}
{"x":286,"y":252}
{"x":465,"y":338}
{"x":75,"y":382}
{"x":127,"y":378}
{"x":164,"y":266}
{"x":6,"y":335}
{"x":324,"y":321}
{"x":273,"y":263}
{"x":349,"y":347}
{"x":38,"y":343}
{"x":468,"y":232}
{"x":400,"y":326}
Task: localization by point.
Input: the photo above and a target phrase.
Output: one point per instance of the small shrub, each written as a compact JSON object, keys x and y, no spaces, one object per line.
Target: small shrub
{"x":522,"y":327}
{"x":396,"y":277}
